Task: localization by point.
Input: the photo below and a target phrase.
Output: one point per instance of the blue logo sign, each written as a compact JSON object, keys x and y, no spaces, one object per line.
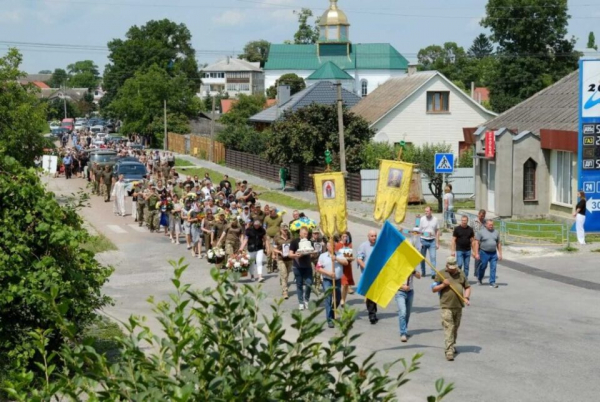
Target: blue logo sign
{"x":444,"y":163}
{"x":591,"y":102}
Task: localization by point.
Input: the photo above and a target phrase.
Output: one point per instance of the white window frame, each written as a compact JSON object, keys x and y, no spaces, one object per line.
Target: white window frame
{"x":364,"y":88}
{"x":555,"y":177}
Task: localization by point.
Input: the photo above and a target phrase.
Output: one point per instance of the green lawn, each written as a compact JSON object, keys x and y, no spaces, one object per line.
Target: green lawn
{"x":182,"y":162}
{"x":99,"y":244}
{"x":544,"y":230}
{"x":462,"y":204}
{"x":264,"y":194}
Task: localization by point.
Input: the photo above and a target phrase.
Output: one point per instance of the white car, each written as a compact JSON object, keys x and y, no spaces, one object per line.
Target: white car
{"x":54,"y":125}
{"x":97,"y":129}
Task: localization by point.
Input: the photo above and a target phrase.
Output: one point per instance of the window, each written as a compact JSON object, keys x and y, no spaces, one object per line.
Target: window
{"x":364,"y":88}
{"x":529,"y":169}
{"x":438,"y":102}
{"x":562,"y":173}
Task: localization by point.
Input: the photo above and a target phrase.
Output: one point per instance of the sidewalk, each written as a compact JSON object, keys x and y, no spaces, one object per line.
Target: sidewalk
{"x":358,"y":211}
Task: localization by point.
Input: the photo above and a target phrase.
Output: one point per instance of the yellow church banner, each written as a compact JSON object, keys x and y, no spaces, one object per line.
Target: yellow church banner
{"x":330,"y":189}
{"x":393,"y":189}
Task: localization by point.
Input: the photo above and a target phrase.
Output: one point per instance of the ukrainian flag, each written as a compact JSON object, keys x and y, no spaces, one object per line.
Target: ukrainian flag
{"x":392,"y":261}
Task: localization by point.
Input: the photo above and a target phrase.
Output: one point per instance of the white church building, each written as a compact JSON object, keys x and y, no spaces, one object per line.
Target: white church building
{"x":364,"y":66}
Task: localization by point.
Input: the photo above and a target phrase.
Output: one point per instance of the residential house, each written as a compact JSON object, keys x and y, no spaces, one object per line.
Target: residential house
{"x":367,"y":65}
{"x":421,"y":107}
{"x":533,"y":172}
{"x":322,"y":93}
{"x":71,"y":94}
{"x":232,"y":76}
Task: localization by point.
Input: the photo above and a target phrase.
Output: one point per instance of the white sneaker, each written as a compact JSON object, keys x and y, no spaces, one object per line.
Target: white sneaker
{"x":306,"y":305}
{"x":301,"y":306}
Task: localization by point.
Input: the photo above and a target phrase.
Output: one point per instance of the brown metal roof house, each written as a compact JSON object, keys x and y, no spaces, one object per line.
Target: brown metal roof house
{"x":534,"y":170}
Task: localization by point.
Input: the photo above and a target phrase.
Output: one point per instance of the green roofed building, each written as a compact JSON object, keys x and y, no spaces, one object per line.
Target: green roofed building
{"x":361,"y":67}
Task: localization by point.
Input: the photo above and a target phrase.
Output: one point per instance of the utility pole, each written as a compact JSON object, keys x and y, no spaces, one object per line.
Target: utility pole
{"x":212,"y":131}
{"x":65,"y":99}
{"x":341,"y":128}
{"x":165,"y":140}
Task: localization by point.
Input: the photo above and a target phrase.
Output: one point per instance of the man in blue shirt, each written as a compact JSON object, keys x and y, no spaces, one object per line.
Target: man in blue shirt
{"x":331,"y":276}
{"x":68,"y":162}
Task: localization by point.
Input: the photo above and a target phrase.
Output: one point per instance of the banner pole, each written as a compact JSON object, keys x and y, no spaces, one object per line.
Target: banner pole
{"x":442,"y":275}
{"x":334,"y":279}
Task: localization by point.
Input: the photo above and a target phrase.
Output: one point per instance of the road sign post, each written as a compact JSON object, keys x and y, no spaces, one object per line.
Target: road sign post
{"x":589,"y":140}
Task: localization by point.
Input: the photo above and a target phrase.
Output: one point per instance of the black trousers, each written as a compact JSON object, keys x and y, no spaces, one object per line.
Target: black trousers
{"x":372,"y":310}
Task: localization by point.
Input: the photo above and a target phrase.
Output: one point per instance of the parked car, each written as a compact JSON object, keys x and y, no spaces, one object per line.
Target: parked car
{"x":98,"y":129}
{"x":54,"y":125}
{"x":137,"y":147}
{"x":111,"y":138}
{"x":59,"y":132}
{"x":68,"y":124}
{"x":132,"y":170}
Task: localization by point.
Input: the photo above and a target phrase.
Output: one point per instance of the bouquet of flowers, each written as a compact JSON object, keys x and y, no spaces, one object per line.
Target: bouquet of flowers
{"x":239,"y":263}
{"x":215,"y":255}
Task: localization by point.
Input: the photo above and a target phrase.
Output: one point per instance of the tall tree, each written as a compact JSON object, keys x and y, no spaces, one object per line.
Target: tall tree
{"x":481,"y":47}
{"x":528,"y":62}
{"x":591,"y":44}
{"x":256,"y":51}
{"x":162,"y":43}
{"x":139,"y":103}
{"x":306,"y":33}
{"x":83,"y":74}
{"x":452,"y":61}
{"x":59,"y":78}
{"x":45,"y":72}
{"x":22,"y":116}
{"x":295,"y":82}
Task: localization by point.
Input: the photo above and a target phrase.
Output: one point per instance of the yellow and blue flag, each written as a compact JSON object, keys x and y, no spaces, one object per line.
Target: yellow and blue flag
{"x":392,"y":261}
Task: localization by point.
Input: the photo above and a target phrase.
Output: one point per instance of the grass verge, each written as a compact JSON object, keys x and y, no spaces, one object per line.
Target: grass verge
{"x":99,"y":244}
{"x":183,"y":162}
{"x":463,"y":204}
{"x":105,"y":334}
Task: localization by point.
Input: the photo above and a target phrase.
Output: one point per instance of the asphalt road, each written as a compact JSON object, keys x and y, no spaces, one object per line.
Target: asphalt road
{"x":532,"y":339}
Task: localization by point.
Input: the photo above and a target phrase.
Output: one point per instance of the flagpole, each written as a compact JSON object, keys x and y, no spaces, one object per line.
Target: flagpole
{"x":333,"y":268}
{"x":442,"y":276}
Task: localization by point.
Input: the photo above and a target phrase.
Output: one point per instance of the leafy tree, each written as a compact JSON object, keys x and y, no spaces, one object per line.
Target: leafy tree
{"x":245,"y":107}
{"x":208,"y":101}
{"x":59,"y":78}
{"x":481,"y":47}
{"x":465,"y":160}
{"x":238,"y":135}
{"x":86,"y":105}
{"x":304,"y":136}
{"x":41,"y":250}
{"x":528,"y":63}
{"x":424,"y":156}
{"x":256,"y":51}
{"x":83,"y":74}
{"x":306,"y":34}
{"x":55,"y":109}
{"x":158,"y":43}
{"x":22,"y":115}
{"x":373,"y":152}
{"x":450,"y":60}
{"x":591,"y":44}
{"x":295,"y":82}
{"x":45,"y":72}
{"x":218,"y":346}
{"x":140,"y":103}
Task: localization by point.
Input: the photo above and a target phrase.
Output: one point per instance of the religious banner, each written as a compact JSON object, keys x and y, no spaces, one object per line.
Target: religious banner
{"x":330,"y":189}
{"x":393,"y":188}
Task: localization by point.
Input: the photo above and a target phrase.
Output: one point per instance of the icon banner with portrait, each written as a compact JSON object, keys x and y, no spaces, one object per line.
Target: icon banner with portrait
{"x":330,"y":189}
{"x":393,"y":189}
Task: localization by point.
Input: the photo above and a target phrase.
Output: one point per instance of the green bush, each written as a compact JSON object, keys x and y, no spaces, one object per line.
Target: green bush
{"x":41,"y":247}
{"x":372,"y":152}
{"x":465,"y":160}
{"x":217,"y":346}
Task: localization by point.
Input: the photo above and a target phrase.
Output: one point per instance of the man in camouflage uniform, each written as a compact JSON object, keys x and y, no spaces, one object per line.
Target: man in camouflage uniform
{"x":451,"y":304}
{"x":151,"y":201}
{"x":107,"y":177}
{"x":96,"y":176}
{"x":138,"y":193}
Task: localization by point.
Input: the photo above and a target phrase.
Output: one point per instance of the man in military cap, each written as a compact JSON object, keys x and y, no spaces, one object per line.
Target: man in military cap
{"x":107,"y":178}
{"x":151,"y":201}
{"x":138,"y":193}
{"x":451,"y":302}
{"x":96,"y":177}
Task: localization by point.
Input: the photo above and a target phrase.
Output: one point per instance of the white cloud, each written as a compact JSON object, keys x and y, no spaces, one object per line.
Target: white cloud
{"x":230,"y":17}
{"x":11,"y":16}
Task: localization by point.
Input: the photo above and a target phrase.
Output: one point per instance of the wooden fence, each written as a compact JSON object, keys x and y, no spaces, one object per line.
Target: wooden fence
{"x":300,"y":175}
{"x":196,"y":145}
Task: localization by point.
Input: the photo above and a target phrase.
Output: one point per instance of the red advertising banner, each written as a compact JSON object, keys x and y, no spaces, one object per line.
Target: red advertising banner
{"x":490,"y":144}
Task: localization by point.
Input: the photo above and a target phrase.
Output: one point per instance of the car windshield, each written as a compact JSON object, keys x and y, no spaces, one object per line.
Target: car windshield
{"x":101,"y":158}
{"x":66,"y":124}
{"x":132,"y":169}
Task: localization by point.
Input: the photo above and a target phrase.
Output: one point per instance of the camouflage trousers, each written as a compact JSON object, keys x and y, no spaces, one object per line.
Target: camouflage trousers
{"x":284,"y":267}
{"x":141,"y":207}
{"x":152,"y":220}
{"x":451,"y":321}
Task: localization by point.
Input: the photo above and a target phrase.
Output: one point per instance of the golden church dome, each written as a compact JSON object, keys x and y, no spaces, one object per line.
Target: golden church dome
{"x":333,"y":16}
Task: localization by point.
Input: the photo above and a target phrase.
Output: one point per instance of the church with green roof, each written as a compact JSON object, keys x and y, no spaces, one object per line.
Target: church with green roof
{"x":359,"y":67}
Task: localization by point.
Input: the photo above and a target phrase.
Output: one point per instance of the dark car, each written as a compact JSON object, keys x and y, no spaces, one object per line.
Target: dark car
{"x":131,"y":170}
{"x":104,"y":158}
{"x":59,"y":132}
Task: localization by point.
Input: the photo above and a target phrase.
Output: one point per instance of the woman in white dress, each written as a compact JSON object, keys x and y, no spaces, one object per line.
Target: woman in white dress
{"x":580,"y":217}
{"x":119,"y":193}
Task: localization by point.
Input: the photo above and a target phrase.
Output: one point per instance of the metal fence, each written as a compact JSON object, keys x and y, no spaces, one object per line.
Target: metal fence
{"x":462,"y":180}
{"x":529,"y":233}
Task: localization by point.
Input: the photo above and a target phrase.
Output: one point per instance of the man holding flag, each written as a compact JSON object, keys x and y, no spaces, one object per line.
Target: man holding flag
{"x":451,"y":287}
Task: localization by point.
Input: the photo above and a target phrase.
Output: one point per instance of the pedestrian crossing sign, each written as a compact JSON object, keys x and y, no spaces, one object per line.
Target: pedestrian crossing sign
{"x":444,"y":163}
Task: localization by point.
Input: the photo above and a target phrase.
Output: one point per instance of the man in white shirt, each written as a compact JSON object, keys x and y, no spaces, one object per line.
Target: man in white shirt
{"x":363,"y":255}
{"x":430,"y":239}
{"x":206,"y":190}
{"x":329,"y":278}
